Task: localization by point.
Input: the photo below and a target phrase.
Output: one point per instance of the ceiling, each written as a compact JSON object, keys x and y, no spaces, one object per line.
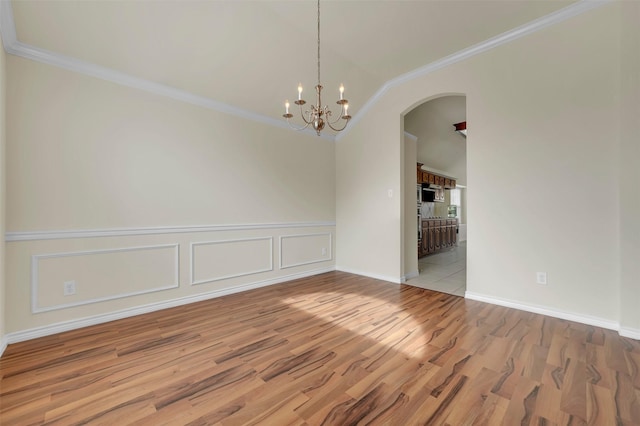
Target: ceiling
{"x":252,"y":54}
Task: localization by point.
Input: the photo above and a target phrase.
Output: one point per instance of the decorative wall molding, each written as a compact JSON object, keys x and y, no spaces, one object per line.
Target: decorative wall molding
{"x":15,"y":47}
{"x":321,"y":259}
{"x":35,"y":285}
{"x":60,"y":327}
{"x":225,"y":277}
{"x":569,"y":316}
{"x":122,"y":232}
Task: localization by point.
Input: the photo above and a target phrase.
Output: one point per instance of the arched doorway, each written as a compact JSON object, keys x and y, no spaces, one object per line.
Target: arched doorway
{"x":431,"y":141}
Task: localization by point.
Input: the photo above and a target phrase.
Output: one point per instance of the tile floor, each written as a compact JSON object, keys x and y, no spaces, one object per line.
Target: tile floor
{"x":445,"y":272}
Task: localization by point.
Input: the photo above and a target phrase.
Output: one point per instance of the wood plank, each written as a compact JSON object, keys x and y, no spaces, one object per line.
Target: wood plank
{"x":335,"y":348}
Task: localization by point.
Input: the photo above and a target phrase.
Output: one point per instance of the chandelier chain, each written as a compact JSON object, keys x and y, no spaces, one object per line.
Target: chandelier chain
{"x":318,"y":41}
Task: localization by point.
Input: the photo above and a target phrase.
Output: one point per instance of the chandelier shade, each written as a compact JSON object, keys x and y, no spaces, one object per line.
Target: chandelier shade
{"x":318,"y":116}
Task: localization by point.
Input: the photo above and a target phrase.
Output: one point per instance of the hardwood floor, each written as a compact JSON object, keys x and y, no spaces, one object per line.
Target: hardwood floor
{"x":334,"y":349}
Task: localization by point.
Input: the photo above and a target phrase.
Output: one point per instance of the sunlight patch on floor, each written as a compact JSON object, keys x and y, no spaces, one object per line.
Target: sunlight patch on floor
{"x":399,"y":332}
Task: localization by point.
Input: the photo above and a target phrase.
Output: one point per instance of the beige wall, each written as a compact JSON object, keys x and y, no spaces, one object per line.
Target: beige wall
{"x":629,"y":170}
{"x":94,"y":154}
{"x":233,"y":204}
{"x":368,"y":221}
{"x":543,"y":111}
{"x":3,"y":74}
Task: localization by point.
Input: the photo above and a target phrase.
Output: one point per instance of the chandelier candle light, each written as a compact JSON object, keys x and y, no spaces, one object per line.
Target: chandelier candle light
{"x":319,"y":116}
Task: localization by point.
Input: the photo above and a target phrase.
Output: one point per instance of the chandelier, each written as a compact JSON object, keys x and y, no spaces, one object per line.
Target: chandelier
{"x":318,"y":116}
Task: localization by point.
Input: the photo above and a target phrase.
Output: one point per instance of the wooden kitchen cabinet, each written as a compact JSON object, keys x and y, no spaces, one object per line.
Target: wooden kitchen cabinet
{"x":446,"y":235}
{"x":437,"y":234}
{"x":424,"y":244}
{"x":424,"y":176}
{"x":453,"y":226}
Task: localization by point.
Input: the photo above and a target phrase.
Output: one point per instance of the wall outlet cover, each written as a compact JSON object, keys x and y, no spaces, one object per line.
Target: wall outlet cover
{"x":541,"y":278}
{"x":69,"y":288}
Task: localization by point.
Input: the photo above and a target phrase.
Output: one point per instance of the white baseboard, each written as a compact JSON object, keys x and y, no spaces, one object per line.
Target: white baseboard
{"x":632,"y":333}
{"x":410,"y":275}
{"x":395,"y":280}
{"x":60,"y":327}
{"x":584,"y":319}
{"x":34,"y":333}
{"x":3,"y":344}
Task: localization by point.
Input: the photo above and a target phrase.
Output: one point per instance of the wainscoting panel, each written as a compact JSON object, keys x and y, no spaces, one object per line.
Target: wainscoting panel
{"x":128,"y":271}
{"x":304,"y":249}
{"x":100,"y":275}
{"x":220,"y":260}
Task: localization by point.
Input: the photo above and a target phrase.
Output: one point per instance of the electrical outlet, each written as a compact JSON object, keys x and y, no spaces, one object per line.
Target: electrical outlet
{"x":541,"y":278}
{"x":69,"y":288}
{"x":324,"y":251}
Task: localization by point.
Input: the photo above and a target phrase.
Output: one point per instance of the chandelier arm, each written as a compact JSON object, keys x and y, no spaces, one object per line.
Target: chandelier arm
{"x":337,"y":119}
{"x":298,"y":128}
{"x":302,"y":114}
{"x":336,"y":129}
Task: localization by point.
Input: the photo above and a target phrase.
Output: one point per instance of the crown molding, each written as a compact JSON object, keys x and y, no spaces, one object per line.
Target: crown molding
{"x":13,"y":46}
{"x":76,"y":65}
{"x":561,"y":15}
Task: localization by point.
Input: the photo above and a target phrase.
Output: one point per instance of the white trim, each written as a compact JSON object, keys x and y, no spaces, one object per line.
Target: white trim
{"x":202,"y":243}
{"x":3,"y":345}
{"x":35,"y":309}
{"x":395,"y":280}
{"x":7,"y":25}
{"x":108,"y":74}
{"x":312,"y":261}
{"x":410,"y":275}
{"x":15,"y":47}
{"x":414,"y":138}
{"x":60,"y":327}
{"x":121,"y":232}
{"x":561,"y":15}
{"x":584,"y":319}
{"x":632,"y":333}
